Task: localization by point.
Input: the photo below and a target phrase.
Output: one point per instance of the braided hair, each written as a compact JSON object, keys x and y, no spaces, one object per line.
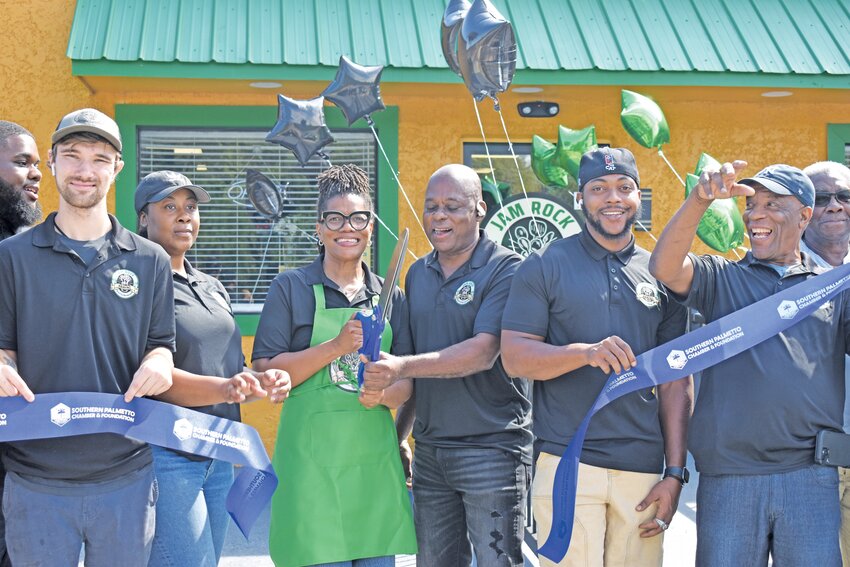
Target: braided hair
{"x":347,"y":179}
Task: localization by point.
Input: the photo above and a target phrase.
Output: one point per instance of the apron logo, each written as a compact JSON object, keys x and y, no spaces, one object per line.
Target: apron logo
{"x":465,"y":293}
{"x":647,"y":294}
{"x":125,"y":284}
{"x":343,"y":371}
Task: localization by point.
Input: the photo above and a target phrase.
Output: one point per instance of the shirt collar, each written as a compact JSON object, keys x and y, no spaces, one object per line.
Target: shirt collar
{"x":808,"y":265}
{"x":44,"y":235}
{"x":597,"y":252}
{"x":314,"y":273}
{"x":480,"y":254}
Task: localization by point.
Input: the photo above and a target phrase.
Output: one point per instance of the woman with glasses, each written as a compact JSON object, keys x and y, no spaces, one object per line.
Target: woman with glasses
{"x":209,"y":376}
{"x":341,"y":498}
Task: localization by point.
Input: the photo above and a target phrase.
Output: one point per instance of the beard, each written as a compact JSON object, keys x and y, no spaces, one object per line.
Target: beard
{"x":81,"y":201}
{"x":16,"y":210}
{"x":593,"y":220}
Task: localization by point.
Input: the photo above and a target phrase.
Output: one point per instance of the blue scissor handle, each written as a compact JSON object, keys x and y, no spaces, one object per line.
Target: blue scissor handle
{"x":373,"y":328}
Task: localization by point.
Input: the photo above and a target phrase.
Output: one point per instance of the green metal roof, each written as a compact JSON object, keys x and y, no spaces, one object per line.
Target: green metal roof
{"x":806,"y":39}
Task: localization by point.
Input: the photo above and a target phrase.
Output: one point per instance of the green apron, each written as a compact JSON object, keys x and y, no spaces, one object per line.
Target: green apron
{"x":341,"y":494}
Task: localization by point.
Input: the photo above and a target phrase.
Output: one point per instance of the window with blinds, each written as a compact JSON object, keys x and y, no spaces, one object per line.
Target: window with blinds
{"x":237,"y":245}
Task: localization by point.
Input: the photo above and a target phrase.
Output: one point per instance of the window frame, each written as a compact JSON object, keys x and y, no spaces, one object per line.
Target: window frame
{"x":132,"y":116}
{"x":837,"y":138}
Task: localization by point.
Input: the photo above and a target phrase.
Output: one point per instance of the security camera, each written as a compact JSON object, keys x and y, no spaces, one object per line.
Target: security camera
{"x":538,"y":109}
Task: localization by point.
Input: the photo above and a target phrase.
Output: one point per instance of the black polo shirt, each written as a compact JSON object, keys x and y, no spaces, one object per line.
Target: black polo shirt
{"x":208,"y":340}
{"x":575,"y":291}
{"x":286,"y":324}
{"x":82,"y":328}
{"x":486,"y":409}
{"x":759,"y":412}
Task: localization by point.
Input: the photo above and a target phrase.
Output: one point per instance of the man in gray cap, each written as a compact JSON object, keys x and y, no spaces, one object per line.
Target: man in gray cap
{"x":758,"y":413}
{"x":109,"y":299}
{"x":578,"y":310}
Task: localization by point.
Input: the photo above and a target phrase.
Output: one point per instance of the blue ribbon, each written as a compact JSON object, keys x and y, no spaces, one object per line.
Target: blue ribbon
{"x":174,"y":427}
{"x":690,"y":353}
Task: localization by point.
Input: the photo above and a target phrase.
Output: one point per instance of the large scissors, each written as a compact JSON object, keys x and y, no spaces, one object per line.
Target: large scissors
{"x":374,"y":323}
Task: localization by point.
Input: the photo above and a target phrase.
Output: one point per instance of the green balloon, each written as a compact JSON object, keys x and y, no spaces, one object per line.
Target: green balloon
{"x":572,"y":144}
{"x":545,"y":163}
{"x":721,"y":227}
{"x":704,"y":161}
{"x":644,"y":120}
{"x":499,"y":191}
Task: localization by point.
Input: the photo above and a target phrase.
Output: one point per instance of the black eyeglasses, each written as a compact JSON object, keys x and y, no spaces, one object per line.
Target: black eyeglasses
{"x":335,"y":220}
{"x":823,"y":198}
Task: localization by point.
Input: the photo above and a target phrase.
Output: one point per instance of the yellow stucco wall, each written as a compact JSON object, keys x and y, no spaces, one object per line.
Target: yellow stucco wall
{"x":37,"y":89}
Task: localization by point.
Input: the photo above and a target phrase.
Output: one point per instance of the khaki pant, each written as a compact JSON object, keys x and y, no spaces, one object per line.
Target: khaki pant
{"x":605,"y":529}
{"x":844,"y":498}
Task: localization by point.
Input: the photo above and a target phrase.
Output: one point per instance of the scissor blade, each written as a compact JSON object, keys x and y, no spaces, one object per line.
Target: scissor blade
{"x":393,"y":274}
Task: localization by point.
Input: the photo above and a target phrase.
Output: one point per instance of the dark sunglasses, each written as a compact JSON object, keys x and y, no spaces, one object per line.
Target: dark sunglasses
{"x":822,"y":199}
{"x":335,"y":220}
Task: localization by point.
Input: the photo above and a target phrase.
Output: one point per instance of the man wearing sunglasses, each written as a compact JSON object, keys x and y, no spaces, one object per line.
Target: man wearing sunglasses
{"x":827,"y":241}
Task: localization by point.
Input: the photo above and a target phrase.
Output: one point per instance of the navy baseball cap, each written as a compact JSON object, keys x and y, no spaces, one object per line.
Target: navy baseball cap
{"x":158,"y":185}
{"x":607,"y":161}
{"x":784,"y":180}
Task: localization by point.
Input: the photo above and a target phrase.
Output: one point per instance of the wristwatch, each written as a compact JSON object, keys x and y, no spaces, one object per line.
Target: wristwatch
{"x":679,"y":473}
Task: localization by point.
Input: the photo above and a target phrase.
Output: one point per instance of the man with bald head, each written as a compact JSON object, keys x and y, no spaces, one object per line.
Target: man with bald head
{"x":827,"y":242}
{"x":472,"y":421}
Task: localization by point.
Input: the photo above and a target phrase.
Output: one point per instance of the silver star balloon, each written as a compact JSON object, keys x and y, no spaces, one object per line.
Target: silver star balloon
{"x":356,"y":89}
{"x":300,"y":127}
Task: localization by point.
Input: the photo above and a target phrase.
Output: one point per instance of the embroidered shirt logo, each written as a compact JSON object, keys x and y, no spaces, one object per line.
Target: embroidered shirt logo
{"x":125,"y":284}
{"x":465,"y":293}
{"x":648,"y":294}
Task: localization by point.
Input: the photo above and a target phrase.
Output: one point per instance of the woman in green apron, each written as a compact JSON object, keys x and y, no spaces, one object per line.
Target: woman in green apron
{"x":341,"y":497}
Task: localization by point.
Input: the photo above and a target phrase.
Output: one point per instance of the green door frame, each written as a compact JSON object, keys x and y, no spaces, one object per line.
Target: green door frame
{"x":837,"y":138}
{"x":132,"y":116}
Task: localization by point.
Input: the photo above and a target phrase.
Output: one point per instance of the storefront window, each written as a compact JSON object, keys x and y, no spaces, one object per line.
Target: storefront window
{"x":240,"y":247}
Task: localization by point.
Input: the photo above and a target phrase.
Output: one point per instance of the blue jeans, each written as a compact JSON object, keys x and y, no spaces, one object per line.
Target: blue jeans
{"x":191,"y":520}
{"x":386,"y":561}
{"x":792,"y":516}
{"x":49,"y":525}
{"x":463,"y":495}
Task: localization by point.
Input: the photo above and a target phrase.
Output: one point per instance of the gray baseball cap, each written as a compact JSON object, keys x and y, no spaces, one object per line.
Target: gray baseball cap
{"x":88,"y":120}
{"x":158,"y":185}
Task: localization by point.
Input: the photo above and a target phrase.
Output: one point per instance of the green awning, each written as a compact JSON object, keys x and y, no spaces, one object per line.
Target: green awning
{"x":799,"y":43}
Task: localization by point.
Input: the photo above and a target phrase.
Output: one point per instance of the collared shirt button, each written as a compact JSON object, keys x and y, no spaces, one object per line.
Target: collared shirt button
{"x":613,"y":271}
{"x":616,"y":287}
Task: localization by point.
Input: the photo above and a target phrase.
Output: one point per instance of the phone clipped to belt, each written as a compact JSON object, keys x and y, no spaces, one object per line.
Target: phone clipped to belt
{"x":832,"y":448}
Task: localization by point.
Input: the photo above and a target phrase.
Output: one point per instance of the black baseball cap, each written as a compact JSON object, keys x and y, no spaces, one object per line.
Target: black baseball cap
{"x":784,"y":180}
{"x":158,"y":185}
{"x":607,"y":161}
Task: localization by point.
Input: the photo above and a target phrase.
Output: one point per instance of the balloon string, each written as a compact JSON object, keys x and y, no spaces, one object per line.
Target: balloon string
{"x":371,"y":124}
{"x":670,"y":165}
{"x":394,"y":235}
{"x":646,"y":230}
{"x":487,"y":151}
{"x":516,"y":161}
{"x":262,"y":262}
